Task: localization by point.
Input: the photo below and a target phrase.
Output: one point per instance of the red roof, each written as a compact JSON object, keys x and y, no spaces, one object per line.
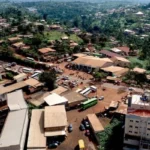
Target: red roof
{"x":124,"y":49}
{"x":142,"y":113}
{"x":109,"y":54}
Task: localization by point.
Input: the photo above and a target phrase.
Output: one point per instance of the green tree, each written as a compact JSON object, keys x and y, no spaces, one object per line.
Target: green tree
{"x":49,"y":79}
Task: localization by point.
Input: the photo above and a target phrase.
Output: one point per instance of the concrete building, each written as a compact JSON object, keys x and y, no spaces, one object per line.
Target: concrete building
{"x":137,"y":123}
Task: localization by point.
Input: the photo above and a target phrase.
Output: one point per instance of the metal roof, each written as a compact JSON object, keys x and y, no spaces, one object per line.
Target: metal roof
{"x":36,"y":138}
{"x":14,"y":130}
{"x":55,"y":116}
{"x":15,"y":100}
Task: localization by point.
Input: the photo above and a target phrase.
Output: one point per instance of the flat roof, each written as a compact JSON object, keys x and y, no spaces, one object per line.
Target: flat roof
{"x":95,"y":123}
{"x":55,"y":116}
{"x":55,"y":99}
{"x":74,"y":96}
{"x":59,"y":90}
{"x":33,"y":82}
{"x":139,"y":70}
{"x":13,"y":130}
{"x":36,"y":138}
{"x":15,"y":100}
{"x":136,"y":99}
{"x":113,"y":69}
{"x":12,"y":87}
{"x":116,"y":50}
{"x":38,"y":98}
{"x":21,"y":75}
{"x":46,"y":50}
{"x":55,"y":133}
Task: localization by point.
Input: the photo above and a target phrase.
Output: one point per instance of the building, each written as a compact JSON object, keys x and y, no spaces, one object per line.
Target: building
{"x":116,"y":50}
{"x":109,"y":54}
{"x":121,"y":61}
{"x":139,"y":70}
{"x":46,"y":51}
{"x":74,"y":98}
{"x":18,"y":45}
{"x":125,"y":50}
{"x":20,"y":77}
{"x":36,"y":138}
{"x":55,"y":99}
{"x":13,"y":134}
{"x":14,"y":39}
{"x":95,"y":124}
{"x":137,"y":123}
{"x":55,"y":121}
{"x":129,"y":32}
{"x":88,"y":63}
{"x":115,"y":71}
{"x":59,"y":90}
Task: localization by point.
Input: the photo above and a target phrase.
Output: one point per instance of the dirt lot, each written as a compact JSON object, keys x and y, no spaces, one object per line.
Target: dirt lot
{"x":75,"y":117}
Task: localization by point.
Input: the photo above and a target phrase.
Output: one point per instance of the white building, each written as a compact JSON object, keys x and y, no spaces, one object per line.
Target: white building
{"x":137,"y":124}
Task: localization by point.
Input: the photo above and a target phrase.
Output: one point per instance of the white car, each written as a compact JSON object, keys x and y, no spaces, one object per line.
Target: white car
{"x":101,"y":98}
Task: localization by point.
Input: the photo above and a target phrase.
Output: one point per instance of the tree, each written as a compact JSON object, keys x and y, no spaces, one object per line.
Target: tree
{"x":98,"y":76}
{"x":49,"y":79}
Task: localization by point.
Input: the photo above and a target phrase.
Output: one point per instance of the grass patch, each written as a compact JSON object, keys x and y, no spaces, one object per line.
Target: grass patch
{"x":56,"y":35}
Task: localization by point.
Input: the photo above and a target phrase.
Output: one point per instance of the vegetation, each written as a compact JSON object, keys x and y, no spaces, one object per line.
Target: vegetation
{"x":112,"y":136}
{"x":49,"y":79}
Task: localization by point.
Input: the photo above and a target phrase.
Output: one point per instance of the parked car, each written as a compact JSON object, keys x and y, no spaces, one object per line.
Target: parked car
{"x":53,"y":145}
{"x":70,"y":128}
{"x":101,"y":98}
{"x":87,"y":132}
{"x":86,"y":124}
{"x":82,"y":127}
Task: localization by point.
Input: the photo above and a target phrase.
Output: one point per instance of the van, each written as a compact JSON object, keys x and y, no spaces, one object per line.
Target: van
{"x":30,"y":59}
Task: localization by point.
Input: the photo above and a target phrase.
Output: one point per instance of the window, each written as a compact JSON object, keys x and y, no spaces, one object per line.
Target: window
{"x":130,"y":126}
{"x":131,"y":120}
{"x":130,"y":131}
{"x":135,"y":132}
{"x":137,"y":121}
{"x":136,"y":127}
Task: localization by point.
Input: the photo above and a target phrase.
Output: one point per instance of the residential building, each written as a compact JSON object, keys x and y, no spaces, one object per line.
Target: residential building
{"x":109,"y":54}
{"x":137,"y":123}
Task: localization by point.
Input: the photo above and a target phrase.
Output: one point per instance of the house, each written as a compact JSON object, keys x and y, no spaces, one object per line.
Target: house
{"x":64,"y":38}
{"x":73,"y":98}
{"x":137,"y":123}
{"x":17,"y":119}
{"x":33,"y":85}
{"x":55,"y":99}
{"x":139,"y":70}
{"x":124,"y":49}
{"x":116,"y":50}
{"x":55,"y":27}
{"x":20,"y":77}
{"x":109,"y":54}
{"x":88,"y":63}
{"x":129,"y":32}
{"x":95,"y":124}
{"x":59,"y":90}
{"x":2,"y":20}
{"x":25,"y":47}
{"x":139,"y":13}
{"x":73,"y":44}
{"x":14,"y":39}
{"x":18,"y":45}
{"x":52,"y":125}
{"x":120,"y":61}
{"x":115,"y":71}
{"x":36,"y":137}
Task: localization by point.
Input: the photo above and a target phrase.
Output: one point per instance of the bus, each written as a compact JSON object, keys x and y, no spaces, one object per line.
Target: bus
{"x":81,"y":145}
{"x":27,"y":70}
{"x":88,"y":103}
{"x":85,"y":91}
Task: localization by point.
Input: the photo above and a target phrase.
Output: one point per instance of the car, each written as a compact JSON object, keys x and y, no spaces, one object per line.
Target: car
{"x":87,"y":132}
{"x":86,"y":124}
{"x":101,"y":98}
{"x":52,"y":145}
{"x":13,"y":64}
{"x":70,"y":128}
{"x":82,"y":127}
{"x":9,"y":65}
